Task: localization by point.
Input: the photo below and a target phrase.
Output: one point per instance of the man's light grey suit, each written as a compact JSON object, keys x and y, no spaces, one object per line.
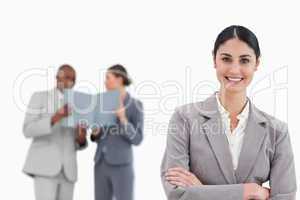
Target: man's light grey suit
{"x":52,"y":154}
{"x":196,"y":142}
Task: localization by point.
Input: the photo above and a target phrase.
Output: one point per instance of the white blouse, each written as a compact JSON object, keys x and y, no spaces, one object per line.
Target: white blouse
{"x":235,"y":138}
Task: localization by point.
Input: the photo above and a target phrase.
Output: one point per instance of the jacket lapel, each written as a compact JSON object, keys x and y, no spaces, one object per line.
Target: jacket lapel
{"x":213,"y":129}
{"x":252,"y":142}
{"x":51,"y":99}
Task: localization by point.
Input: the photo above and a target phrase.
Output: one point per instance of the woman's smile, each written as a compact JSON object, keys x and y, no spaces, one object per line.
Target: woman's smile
{"x":234,"y":79}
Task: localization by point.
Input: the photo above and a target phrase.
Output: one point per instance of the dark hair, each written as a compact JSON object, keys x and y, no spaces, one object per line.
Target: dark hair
{"x":240,"y":32}
{"x":67,"y":66}
{"x":120,"y":71}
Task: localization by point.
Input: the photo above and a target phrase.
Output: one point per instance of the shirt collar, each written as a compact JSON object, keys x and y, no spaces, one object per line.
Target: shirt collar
{"x":59,"y":93}
{"x":242,"y":116}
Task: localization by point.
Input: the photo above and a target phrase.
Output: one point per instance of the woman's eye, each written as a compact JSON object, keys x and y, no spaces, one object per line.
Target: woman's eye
{"x":226,"y":59}
{"x":245,"y":61}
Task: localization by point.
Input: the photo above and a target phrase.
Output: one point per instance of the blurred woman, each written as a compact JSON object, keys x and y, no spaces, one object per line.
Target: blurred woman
{"x":114,"y":175}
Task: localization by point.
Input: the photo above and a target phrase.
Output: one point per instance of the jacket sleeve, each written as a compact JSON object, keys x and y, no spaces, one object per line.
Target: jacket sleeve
{"x":282,"y":177}
{"x":177,"y":155}
{"x":133,"y":130}
{"x":37,"y":121}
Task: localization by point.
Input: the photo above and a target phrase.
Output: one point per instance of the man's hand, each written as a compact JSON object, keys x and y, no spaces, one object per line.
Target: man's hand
{"x":181,"y":177}
{"x":81,"y":134}
{"x":60,"y":114}
{"x":255,"y":191}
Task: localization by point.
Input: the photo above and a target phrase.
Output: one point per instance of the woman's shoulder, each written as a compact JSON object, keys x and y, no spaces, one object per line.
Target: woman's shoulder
{"x":205,"y":108}
{"x":133,"y":101}
{"x":274,"y":124}
{"x":190,"y":110}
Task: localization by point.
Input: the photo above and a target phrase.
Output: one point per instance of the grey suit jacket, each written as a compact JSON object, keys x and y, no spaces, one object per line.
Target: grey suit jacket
{"x":196,"y":142}
{"x":115,"y":144}
{"x":52,"y":147}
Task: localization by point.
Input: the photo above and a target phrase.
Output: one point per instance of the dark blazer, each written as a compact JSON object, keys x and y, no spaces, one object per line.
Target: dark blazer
{"x":115,"y":143}
{"x":196,"y":142}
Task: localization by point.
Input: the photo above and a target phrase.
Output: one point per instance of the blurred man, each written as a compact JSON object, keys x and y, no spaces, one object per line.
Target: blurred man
{"x":51,"y":159}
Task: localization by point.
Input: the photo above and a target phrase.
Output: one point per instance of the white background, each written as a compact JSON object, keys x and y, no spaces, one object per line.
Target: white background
{"x":166,"y":47}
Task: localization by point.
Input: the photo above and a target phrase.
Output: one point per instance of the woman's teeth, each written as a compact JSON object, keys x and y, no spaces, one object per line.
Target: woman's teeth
{"x":234,"y":79}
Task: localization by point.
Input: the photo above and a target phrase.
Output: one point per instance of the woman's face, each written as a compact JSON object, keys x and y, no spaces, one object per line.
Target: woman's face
{"x":112,"y":82}
{"x":235,"y":64}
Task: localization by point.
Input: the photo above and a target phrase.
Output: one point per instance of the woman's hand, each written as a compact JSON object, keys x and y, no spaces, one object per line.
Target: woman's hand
{"x":255,"y":191}
{"x":121,"y":114}
{"x":181,"y":177}
{"x":96,"y":133}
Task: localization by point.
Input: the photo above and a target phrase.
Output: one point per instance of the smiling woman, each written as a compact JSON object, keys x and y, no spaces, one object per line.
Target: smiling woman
{"x":236,"y":57}
{"x":225,"y":147}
